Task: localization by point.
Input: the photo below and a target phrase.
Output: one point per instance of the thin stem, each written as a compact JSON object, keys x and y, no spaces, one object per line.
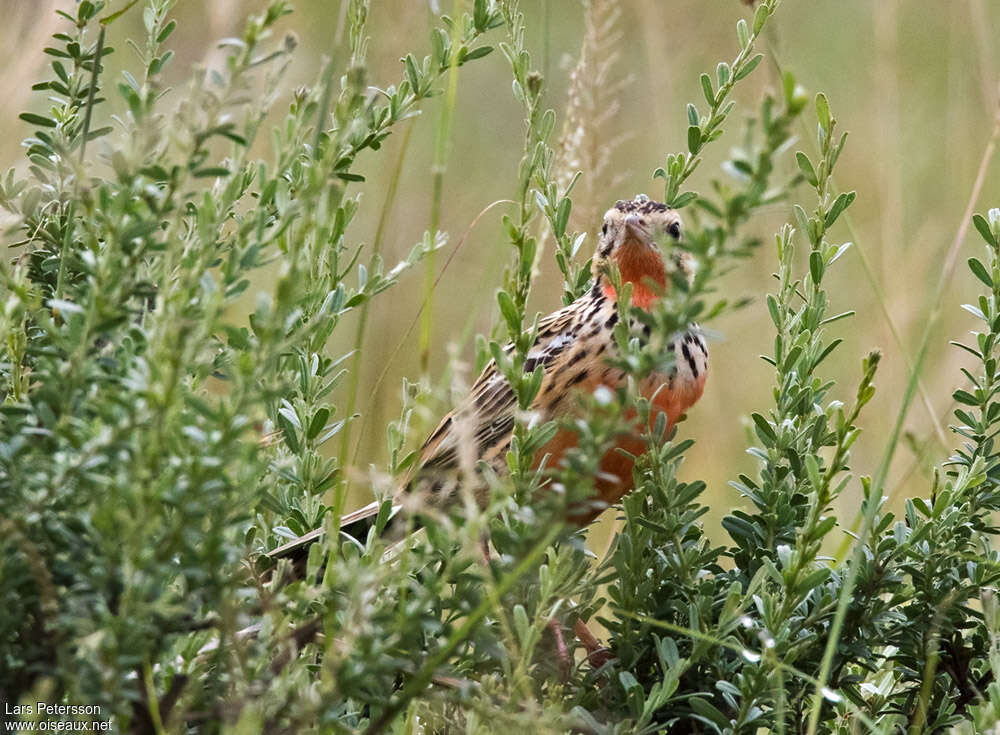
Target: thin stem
{"x":438,"y":169}
{"x":152,"y":704}
{"x":936,"y":423}
{"x":875,"y":492}
{"x":64,"y":251}
{"x":880,"y":295}
{"x":546,"y":36}
{"x":359,"y":335}
{"x":92,"y":93}
{"x":324,"y":106}
{"x":930,"y":666}
{"x":949,"y":268}
{"x":423,"y":677}
{"x":402,"y":340}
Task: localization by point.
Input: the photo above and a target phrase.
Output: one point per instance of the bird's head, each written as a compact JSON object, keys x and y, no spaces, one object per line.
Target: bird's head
{"x":630,"y":238}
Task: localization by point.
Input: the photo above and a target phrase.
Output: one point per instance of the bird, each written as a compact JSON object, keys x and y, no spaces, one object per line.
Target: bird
{"x":572,"y":346}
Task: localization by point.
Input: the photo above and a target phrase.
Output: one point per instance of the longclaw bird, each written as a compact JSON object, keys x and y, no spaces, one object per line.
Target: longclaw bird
{"x":572,"y":345}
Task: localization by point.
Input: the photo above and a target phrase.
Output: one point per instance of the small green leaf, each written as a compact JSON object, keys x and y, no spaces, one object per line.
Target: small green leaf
{"x":562,"y":217}
{"x":288,"y":433}
{"x":238,"y":139}
{"x":167,"y":30}
{"x":816,"y":266}
{"x":740,"y":529}
{"x":318,"y":422}
{"x":978,"y":355}
{"x":709,"y":712}
{"x":805,"y":165}
{"x":34,"y":119}
{"x":812,"y":471}
{"x":722,"y":74}
{"x":838,"y":317}
{"x":480,"y":15}
{"x":706,"y":87}
{"x":823,"y":112}
{"x":772,"y":308}
{"x":742,"y":33}
{"x":692,"y":112}
{"x":801,"y":219}
{"x":508,"y":310}
{"x":977,"y":219}
{"x":94,"y":134}
{"x":824,"y":527}
{"x":975,"y":311}
{"x":139,"y":230}
{"x":478,"y":53}
{"x":748,"y":67}
{"x":760,"y":18}
{"x":764,"y":430}
{"x":842,"y":202}
{"x":788,"y":86}
{"x":814,"y":580}
{"x":60,"y":71}
{"x":694,"y":138}
{"x":965,"y":397}
{"x":412,"y":74}
{"x":683,"y":199}
{"x":86,"y":11}
{"x":108,"y":19}
{"x":211,"y":171}
{"x":979,"y":270}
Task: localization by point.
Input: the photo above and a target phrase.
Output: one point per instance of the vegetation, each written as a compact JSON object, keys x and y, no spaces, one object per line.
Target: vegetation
{"x":156,"y":441}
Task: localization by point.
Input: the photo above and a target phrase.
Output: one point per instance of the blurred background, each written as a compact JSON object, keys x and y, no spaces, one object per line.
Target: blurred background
{"x":914,"y":82}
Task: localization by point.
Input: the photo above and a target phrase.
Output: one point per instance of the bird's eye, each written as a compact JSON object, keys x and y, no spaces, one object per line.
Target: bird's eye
{"x":604,"y":230}
{"x":675,"y":230}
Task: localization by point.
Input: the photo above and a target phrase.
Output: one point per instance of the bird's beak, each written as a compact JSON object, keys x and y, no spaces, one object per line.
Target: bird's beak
{"x":635,"y":228}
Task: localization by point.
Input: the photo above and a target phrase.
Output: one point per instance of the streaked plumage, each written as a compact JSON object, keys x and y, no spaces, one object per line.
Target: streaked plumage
{"x":572,"y":345}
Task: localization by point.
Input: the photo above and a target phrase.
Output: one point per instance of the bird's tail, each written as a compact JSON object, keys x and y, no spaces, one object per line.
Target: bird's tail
{"x":355,"y":525}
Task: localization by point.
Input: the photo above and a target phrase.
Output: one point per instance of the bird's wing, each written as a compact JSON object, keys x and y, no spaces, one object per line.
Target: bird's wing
{"x":354,"y":524}
{"x":485,"y":418}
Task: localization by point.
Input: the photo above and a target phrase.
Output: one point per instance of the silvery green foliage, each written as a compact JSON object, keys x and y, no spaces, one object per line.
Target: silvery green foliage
{"x":154,"y":447}
{"x":138,"y":458}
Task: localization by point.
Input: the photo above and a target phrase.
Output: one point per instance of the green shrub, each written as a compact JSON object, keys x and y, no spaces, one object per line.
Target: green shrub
{"x":155,"y":444}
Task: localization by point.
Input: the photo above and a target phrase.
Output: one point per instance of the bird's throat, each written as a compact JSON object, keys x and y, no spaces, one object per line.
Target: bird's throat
{"x":643,"y":267}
